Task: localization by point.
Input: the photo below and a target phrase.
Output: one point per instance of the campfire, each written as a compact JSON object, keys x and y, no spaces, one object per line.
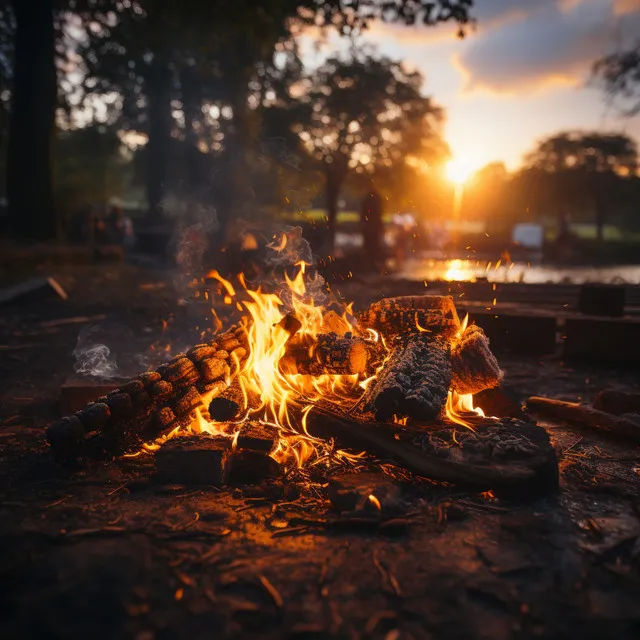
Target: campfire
{"x":299,"y":384}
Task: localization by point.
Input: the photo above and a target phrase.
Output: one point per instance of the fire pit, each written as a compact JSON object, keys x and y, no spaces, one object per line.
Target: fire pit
{"x":328,"y":390}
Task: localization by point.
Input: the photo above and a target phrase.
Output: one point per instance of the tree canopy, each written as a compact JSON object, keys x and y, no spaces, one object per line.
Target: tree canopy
{"x":619,"y":74}
{"x":363,"y":114}
{"x":192,"y":70}
{"x":577,"y":169}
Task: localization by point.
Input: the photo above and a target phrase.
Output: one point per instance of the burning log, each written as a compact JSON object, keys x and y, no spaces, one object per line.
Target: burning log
{"x":415,"y":381}
{"x":326,"y":353}
{"x":531,"y":473}
{"x":223,"y":409}
{"x":244,"y":466}
{"x":412,"y":314}
{"x":586,"y":416}
{"x":473,"y":365}
{"x":155,"y":402}
{"x":192,"y":460}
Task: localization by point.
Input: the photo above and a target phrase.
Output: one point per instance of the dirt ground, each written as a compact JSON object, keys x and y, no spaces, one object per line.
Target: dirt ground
{"x":107,"y":553}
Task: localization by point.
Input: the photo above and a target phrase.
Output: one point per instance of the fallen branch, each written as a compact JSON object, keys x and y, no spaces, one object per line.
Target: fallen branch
{"x":585,"y":415}
{"x":382,"y":440}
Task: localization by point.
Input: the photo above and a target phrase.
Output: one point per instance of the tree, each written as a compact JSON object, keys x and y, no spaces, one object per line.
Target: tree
{"x":32,"y":124}
{"x":92,"y":167}
{"x":203,"y":53}
{"x":364,"y":114}
{"x":619,"y":74}
{"x":576,"y":164}
{"x":148,"y":48}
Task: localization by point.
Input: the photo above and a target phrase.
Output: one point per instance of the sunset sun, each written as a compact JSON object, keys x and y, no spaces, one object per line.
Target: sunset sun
{"x":459,"y":171}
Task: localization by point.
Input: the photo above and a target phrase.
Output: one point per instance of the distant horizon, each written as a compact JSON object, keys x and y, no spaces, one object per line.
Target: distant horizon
{"x":500,"y":89}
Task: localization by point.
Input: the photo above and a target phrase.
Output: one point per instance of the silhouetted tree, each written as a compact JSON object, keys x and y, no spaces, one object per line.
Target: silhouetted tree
{"x":619,"y":74}
{"x":201,"y":53}
{"x":150,"y":55}
{"x":364,"y":114}
{"x":573,"y":164}
{"x":31,"y":129}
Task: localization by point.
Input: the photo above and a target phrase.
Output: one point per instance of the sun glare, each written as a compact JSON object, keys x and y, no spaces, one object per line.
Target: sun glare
{"x":459,"y":171}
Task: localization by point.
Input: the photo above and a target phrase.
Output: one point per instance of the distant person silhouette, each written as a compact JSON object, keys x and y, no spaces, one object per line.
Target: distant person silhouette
{"x":371,"y":225}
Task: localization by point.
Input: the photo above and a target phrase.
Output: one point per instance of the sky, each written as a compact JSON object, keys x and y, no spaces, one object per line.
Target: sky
{"x":522,"y":73}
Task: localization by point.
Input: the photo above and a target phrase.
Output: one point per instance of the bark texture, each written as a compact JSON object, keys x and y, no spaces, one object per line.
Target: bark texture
{"x":414,"y":382}
{"x":153,"y":403}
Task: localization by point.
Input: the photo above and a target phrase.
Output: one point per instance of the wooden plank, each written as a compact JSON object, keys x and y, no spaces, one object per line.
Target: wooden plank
{"x":29,"y":287}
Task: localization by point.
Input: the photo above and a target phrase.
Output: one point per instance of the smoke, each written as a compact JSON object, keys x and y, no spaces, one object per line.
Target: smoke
{"x":195,"y":220}
{"x":289,"y":248}
{"x":286,"y":252}
{"x":106,"y":351}
{"x":96,"y":361}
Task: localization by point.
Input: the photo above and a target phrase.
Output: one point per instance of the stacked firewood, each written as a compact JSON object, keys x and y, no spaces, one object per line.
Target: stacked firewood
{"x":430,"y":355}
{"x":425,"y":354}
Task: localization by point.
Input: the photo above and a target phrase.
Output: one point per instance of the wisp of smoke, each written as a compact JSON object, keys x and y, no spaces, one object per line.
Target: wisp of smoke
{"x":289,"y":249}
{"x":96,"y":361}
{"x":107,"y":351}
{"x":195,"y":221}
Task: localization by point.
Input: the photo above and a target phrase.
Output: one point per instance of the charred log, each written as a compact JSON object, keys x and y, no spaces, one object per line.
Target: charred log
{"x":414,"y":382}
{"x":474,"y":367}
{"x":155,"y":402}
{"x":532,"y":474}
{"x":223,"y":409}
{"x":412,"y":314}
{"x":326,"y":353}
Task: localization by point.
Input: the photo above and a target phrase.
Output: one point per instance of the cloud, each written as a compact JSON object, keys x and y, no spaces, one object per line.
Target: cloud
{"x":556,"y":43}
{"x":489,"y":14}
{"x":624,"y":7}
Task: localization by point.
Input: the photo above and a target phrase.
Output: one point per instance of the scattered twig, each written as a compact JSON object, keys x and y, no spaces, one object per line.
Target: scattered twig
{"x":122,"y":486}
{"x":483,"y":507}
{"x":196,"y":517}
{"x":74,"y":320}
{"x":57,"y":502}
{"x":585,"y":416}
{"x":577,"y":442}
{"x":283,"y":533}
{"x":271,"y":590}
{"x":387,"y":576}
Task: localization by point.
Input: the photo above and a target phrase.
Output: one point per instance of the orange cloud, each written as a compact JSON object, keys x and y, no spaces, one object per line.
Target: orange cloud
{"x":508,"y":87}
{"x":624,"y":7}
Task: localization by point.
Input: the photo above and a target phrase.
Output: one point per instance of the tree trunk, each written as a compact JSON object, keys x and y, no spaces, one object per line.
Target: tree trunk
{"x":32,"y":126}
{"x":600,"y":207}
{"x":158,"y":90}
{"x":191,"y":106}
{"x":334,"y":179}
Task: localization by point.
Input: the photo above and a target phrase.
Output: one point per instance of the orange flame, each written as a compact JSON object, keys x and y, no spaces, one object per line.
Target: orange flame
{"x":459,"y":404}
{"x":260,"y":377}
{"x":283,"y":400}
